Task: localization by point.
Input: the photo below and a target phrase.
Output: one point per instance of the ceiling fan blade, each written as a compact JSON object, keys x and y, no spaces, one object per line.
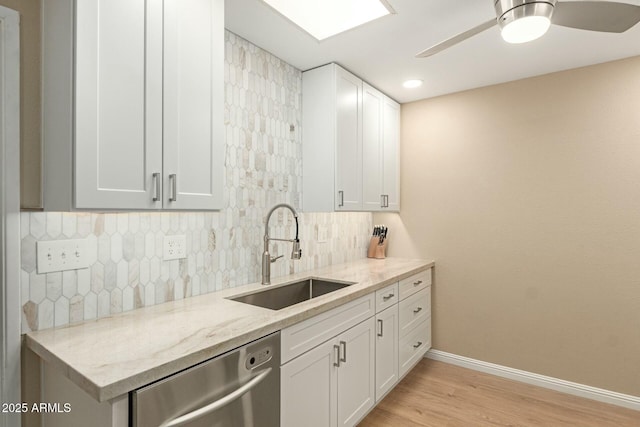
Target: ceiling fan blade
{"x":456,"y":39}
{"x":601,"y":16}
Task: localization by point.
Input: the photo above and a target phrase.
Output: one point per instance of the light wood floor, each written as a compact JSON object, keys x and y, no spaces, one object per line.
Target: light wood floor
{"x":439,"y":394}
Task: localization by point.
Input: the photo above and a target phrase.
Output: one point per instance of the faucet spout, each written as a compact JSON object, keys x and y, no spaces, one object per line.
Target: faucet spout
{"x":296,"y":252}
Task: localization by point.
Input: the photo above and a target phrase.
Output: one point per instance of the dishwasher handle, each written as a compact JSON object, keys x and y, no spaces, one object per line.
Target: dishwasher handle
{"x":214,"y":406}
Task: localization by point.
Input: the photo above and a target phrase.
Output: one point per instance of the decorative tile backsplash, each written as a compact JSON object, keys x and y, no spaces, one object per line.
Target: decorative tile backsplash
{"x":263,"y":167}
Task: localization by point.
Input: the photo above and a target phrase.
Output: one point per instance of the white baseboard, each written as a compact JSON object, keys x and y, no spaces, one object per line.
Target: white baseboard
{"x":581,"y":390}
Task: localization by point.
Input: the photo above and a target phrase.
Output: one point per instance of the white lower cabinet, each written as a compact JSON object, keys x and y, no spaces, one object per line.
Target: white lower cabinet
{"x":414,"y":346}
{"x":332,"y":384}
{"x":414,"y":314}
{"x":339,"y":364}
{"x":386,"y":351}
{"x":356,"y":373}
{"x":309,"y":386}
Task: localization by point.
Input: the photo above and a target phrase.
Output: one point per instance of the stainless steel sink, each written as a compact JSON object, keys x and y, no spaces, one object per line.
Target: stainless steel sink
{"x":283,"y":296}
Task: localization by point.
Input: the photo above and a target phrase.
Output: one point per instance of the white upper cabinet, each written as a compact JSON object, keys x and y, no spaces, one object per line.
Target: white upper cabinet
{"x":390,"y":150}
{"x":348,"y":106}
{"x":380,"y":148}
{"x":118,"y":103}
{"x":193,"y":103}
{"x":350,"y":143}
{"x":372,"y":102}
{"x":133,"y":104}
{"x":332,"y":140}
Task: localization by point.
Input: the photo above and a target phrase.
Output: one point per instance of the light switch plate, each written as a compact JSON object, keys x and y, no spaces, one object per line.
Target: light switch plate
{"x":175,"y":247}
{"x":61,"y":255}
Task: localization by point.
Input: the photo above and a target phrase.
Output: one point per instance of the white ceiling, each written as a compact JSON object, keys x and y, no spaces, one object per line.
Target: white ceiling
{"x":382,"y":52}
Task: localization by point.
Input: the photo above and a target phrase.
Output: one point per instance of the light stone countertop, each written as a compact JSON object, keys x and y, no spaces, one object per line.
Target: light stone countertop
{"x":111,"y":356}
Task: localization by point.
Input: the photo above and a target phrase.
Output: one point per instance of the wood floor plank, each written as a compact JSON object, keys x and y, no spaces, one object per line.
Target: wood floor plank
{"x":437,"y":394}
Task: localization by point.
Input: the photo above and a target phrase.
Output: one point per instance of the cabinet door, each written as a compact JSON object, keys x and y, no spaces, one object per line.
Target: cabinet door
{"x":356,"y":374}
{"x":118,"y":103}
{"x":386,"y":350}
{"x":348,"y":141}
{"x":372,"y":106}
{"x":391,"y":154}
{"x":308,"y":388}
{"x":193,"y":104}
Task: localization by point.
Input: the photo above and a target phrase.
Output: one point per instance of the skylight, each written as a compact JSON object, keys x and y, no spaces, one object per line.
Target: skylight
{"x":323,"y":19}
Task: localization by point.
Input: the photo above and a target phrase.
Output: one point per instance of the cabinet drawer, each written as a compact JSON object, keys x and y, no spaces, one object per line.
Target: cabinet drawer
{"x":414,"y":346}
{"x":414,"y":310}
{"x":386,"y":297}
{"x":303,"y":336}
{"x":415,"y":283}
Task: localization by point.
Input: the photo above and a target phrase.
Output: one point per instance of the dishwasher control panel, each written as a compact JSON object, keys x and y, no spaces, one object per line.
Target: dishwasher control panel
{"x":259,"y":357}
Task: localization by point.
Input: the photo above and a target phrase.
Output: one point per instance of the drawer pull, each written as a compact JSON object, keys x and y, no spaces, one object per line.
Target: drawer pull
{"x":419,"y":282}
{"x":388,"y":297}
{"x":381,"y":326}
{"x":417,"y":310}
{"x":343,"y":345}
{"x":337,"y":362}
{"x":418,"y":344}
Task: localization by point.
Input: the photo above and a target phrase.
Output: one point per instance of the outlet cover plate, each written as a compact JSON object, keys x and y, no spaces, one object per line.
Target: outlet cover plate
{"x":175,"y":247}
{"x":61,"y":255}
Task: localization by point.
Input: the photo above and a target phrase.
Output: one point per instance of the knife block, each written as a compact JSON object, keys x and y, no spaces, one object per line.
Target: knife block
{"x":376,"y":250}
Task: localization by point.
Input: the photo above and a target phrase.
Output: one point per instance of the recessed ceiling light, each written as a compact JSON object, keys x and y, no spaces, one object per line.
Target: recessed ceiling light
{"x":411,"y":84}
{"x":326,"y":18}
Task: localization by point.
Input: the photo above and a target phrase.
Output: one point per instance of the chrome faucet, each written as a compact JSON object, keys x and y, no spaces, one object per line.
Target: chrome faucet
{"x":267,"y":259}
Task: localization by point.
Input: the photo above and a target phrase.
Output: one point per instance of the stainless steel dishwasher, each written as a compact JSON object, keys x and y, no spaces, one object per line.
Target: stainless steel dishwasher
{"x":240,"y":388}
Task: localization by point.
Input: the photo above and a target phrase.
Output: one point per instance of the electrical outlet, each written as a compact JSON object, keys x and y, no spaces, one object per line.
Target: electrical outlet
{"x":175,"y":247}
{"x":323,"y":234}
{"x":61,"y":255}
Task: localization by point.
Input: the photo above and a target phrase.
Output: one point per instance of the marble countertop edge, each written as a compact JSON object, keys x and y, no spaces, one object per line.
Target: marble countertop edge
{"x":53,"y":345}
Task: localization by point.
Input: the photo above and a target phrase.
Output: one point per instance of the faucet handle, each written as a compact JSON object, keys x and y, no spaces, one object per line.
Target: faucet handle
{"x":275,"y":258}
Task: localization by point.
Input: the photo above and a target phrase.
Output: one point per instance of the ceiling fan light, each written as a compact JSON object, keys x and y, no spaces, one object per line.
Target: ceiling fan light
{"x":525,"y":29}
{"x":524,"y":20}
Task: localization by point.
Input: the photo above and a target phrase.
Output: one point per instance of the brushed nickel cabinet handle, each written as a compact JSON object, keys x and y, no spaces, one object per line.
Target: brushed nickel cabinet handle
{"x":156,"y":186}
{"x":417,"y":310}
{"x":341,"y":196}
{"x":382,"y":200}
{"x":381,"y":326}
{"x":418,"y":344}
{"x":419,"y":282}
{"x":388,"y":297}
{"x":173,"y":181}
{"x":337,"y":362}
{"x":343,"y":345}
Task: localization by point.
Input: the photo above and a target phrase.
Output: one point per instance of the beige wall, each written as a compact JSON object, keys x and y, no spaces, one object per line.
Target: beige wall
{"x":527,"y":195}
{"x":29,"y":99}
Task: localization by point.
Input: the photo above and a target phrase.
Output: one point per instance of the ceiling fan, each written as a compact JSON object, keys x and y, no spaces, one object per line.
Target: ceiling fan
{"x":524,"y":20}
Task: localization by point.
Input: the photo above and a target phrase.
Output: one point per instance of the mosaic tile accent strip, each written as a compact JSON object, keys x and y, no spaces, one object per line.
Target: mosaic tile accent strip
{"x":263,"y":167}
